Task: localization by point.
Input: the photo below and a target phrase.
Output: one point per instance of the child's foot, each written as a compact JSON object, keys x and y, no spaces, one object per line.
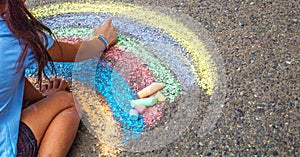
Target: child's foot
{"x":53,"y":86}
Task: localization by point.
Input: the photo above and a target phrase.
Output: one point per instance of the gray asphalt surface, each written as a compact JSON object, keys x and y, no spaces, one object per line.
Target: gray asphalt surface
{"x":259,"y":42}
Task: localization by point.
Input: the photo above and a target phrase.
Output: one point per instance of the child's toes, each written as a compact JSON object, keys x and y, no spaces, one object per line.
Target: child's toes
{"x":50,"y":84}
{"x":44,"y":87}
{"x":63,"y":85}
{"x":56,"y":83}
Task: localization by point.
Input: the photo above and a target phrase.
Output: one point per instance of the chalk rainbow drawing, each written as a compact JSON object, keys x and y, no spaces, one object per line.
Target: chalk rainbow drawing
{"x":152,"y":47}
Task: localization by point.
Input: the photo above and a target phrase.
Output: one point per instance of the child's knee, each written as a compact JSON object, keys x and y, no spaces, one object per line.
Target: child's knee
{"x":67,"y":97}
{"x":72,"y":114}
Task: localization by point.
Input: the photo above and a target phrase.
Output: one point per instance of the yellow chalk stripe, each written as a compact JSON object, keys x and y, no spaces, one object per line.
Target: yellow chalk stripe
{"x":204,"y":66}
{"x":99,"y":117}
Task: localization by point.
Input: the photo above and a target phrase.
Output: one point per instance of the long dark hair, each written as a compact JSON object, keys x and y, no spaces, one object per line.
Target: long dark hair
{"x":31,"y":33}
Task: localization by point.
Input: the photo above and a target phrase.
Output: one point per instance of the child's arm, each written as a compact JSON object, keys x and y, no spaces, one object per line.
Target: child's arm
{"x":65,"y":52}
{"x":30,"y":93}
{"x":85,"y":49}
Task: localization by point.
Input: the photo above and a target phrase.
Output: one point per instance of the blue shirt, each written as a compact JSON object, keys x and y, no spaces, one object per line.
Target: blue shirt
{"x":12,"y":88}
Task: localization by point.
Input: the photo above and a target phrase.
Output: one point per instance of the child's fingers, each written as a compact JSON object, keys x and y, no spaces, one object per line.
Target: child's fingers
{"x":50,"y":84}
{"x":112,"y":42}
{"x":107,"y":23}
{"x":63,"y":85}
{"x":56,"y":82}
{"x":44,"y":87}
{"x":96,"y":30}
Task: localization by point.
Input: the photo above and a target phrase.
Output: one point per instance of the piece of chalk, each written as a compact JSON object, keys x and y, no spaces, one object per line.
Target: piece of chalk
{"x":151,"y":89}
{"x":160,"y":97}
{"x":141,"y":109}
{"x":134,"y":115}
{"x":144,"y":102}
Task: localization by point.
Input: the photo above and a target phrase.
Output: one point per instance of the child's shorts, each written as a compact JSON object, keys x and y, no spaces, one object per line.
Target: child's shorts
{"x":27,"y":144}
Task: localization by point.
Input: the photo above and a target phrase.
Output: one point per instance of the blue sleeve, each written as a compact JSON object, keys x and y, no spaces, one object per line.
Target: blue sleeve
{"x":30,"y":60}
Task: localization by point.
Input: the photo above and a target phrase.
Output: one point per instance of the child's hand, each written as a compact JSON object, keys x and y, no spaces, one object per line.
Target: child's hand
{"x":53,"y":86}
{"x":107,"y":31}
{"x":90,"y":48}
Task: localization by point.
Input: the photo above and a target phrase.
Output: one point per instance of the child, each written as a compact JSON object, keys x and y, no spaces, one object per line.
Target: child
{"x":49,"y":125}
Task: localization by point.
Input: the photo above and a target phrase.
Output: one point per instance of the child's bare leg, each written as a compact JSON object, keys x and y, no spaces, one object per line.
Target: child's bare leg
{"x":53,"y":120}
{"x":60,"y":134}
{"x":39,"y":115}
